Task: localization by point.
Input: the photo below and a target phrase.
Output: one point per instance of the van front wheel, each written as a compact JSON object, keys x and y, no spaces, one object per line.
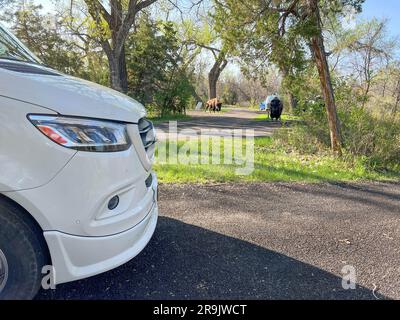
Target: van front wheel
{"x":22,"y":254}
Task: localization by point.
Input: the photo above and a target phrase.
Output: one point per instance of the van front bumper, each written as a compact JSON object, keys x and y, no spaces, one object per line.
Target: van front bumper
{"x":77,"y":257}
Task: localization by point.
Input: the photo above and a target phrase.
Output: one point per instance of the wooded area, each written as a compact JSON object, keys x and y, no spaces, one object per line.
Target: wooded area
{"x":342,"y":79}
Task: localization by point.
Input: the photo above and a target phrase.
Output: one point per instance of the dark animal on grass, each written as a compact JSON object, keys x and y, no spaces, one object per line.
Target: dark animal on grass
{"x":213,"y":105}
{"x":276,"y":109}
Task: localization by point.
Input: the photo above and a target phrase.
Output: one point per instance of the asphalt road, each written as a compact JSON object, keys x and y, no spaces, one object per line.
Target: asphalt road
{"x":261,"y":241}
{"x":220,"y":124}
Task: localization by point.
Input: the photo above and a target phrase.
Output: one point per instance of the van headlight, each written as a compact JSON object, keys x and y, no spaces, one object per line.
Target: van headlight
{"x":83,"y":134}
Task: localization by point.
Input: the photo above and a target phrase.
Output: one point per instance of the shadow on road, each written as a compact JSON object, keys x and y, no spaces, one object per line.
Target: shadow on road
{"x":373,"y":197}
{"x":262,"y":128}
{"x":187,"y":262}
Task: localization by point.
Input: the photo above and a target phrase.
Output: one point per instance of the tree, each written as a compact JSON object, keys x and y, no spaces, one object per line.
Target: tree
{"x":43,"y":35}
{"x":371,"y":49}
{"x":220,"y":62}
{"x":113,"y":27}
{"x":167,"y":84}
{"x":229,"y":86}
{"x":152,"y":42}
{"x":385,"y":89}
{"x":318,"y":51}
{"x":397,"y":94}
{"x":280,"y":20}
{"x":206,"y":37}
{"x":77,"y":27}
{"x":253,"y":90}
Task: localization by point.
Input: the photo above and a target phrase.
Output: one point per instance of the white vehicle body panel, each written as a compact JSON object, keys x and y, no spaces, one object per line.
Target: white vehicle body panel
{"x":27,"y":158}
{"x":81,"y":257}
{"x":76,"y":200}
{"x":70,"y":96}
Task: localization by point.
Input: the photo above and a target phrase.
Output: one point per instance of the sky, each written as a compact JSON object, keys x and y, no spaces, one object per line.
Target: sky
{"x":384,"y":9}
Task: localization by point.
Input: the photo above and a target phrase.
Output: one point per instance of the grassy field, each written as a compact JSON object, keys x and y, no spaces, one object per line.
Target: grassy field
{"x":271,"y":163}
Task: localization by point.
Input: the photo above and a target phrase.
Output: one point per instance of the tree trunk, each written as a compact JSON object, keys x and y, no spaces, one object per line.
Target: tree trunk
{"x":118,"y":70}
{"x":212,"y":85}
{"x":196,"y":95}
{"x":318,"y":50}
{"x":292,"y":101}
{"x":118,"y":73}
{"x":213,"y":75}
{"x":396,"y":106}
{"x":384,"y":87}
{"x":291,"y":98}
{"x":366,"y":93}
{"x":119,"y":20}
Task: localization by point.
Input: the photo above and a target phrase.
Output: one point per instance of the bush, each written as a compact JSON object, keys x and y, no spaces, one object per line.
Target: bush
{"x":377,"y":140}
{"x":176,"y":97}
{"x":373,"y":140}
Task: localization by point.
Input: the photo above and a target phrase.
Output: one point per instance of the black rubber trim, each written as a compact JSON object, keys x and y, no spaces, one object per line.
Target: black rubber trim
{"x":26,"y":68}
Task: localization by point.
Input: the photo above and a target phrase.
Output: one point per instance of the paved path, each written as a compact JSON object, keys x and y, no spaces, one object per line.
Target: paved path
{"x":220,"y":124}
{"x":261,"y":241}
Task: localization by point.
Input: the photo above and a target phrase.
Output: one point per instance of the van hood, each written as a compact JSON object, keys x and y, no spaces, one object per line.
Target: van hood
{"x":68,"y":95}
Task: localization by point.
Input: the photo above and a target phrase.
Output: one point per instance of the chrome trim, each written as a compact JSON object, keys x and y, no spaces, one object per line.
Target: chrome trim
{"x":148,"y":136}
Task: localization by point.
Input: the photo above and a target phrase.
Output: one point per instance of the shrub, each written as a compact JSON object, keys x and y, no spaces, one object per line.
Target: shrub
{"x":375,"y":140}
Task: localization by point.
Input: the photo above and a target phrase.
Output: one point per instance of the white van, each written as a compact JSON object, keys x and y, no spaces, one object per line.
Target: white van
{"x":77,"y":194}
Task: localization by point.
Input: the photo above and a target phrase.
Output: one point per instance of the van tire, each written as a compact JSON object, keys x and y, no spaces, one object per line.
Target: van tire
{"x":23,"y":245}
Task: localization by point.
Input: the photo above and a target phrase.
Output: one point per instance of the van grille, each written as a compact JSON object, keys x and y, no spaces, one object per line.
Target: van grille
{"x":148,"y":136}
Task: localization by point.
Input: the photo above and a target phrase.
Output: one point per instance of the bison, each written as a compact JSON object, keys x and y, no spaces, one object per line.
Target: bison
{"x":213,"y":105}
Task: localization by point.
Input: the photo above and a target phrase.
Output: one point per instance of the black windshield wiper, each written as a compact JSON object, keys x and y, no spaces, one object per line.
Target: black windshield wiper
{"x":20,"y":60}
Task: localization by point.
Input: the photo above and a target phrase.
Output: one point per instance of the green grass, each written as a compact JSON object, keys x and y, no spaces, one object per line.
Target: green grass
{"x":285,"y":117}
{"x":226,"y":109}
{"x":170,"y":117}
{"x":271,"y":164}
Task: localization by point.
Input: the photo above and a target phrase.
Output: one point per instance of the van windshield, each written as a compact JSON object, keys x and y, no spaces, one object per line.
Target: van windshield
{"x":12,"y":49}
